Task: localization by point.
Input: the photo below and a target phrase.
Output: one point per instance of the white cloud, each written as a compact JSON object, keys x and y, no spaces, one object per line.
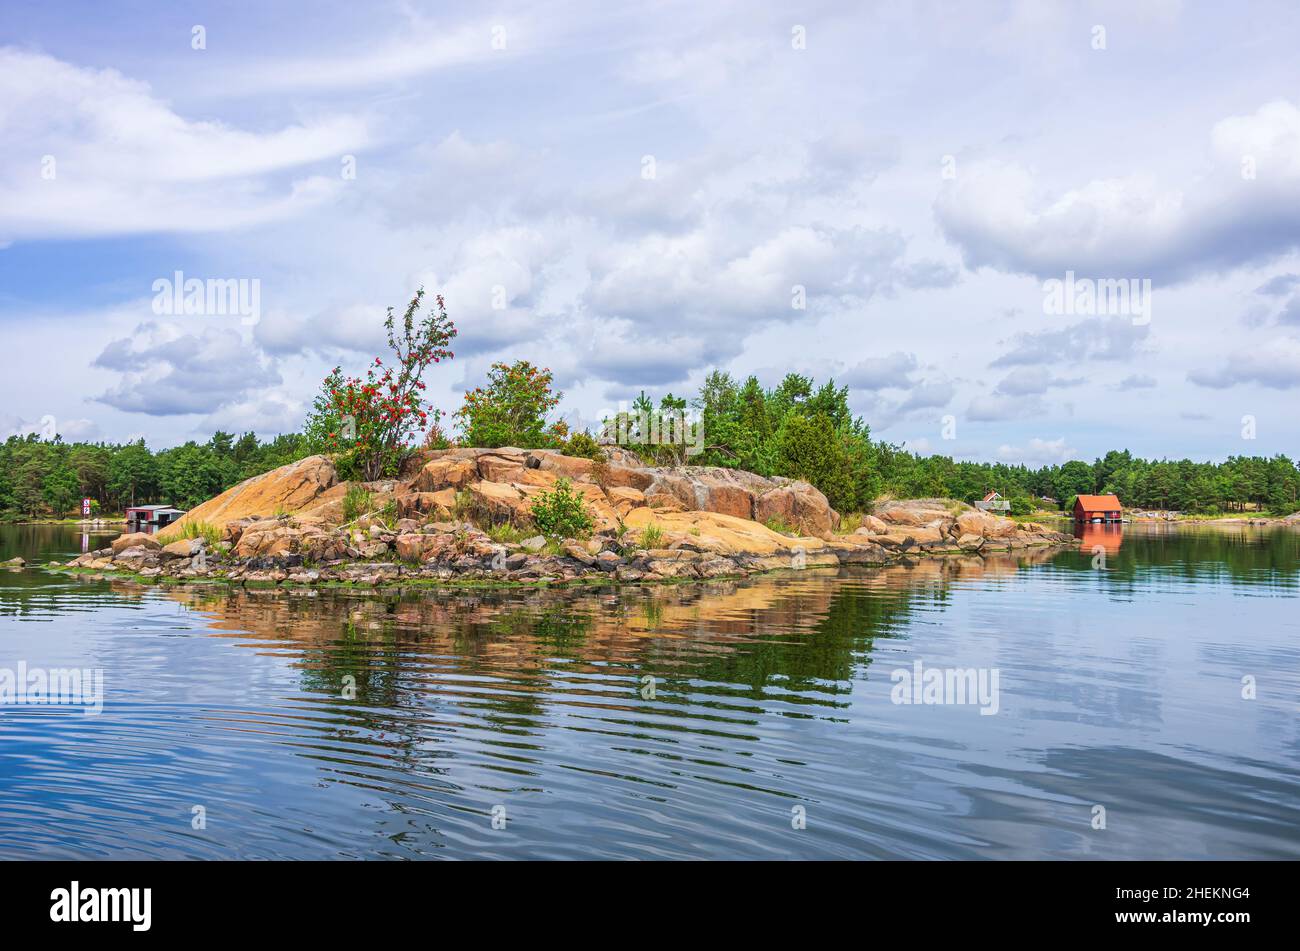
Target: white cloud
{"x":102,"y":155}
{"x":1003,"y":216}
{"x":422,"y":46}
{"x":1276,"y":366}
{"x":1038,"y":452}
{"x":1032,"y":381}
{"x":165,"y":371}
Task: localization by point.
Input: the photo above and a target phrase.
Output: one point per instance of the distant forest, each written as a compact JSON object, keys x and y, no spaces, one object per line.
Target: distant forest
{"x":51,"y":477}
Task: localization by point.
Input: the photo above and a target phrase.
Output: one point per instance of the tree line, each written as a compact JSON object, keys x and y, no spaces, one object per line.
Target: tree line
{"x":801,"y":430}
{"x":41,"y":477}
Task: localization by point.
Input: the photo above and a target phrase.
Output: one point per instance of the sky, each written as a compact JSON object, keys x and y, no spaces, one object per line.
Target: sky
{"x":896,"y":195}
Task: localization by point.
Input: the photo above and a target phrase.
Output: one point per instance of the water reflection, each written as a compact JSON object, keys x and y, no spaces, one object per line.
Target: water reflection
{"x":681,"y":721}
{"x":1099,"y":537}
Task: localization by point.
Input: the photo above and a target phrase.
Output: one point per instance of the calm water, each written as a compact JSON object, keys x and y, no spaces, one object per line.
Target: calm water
{"x":1120,"y":685}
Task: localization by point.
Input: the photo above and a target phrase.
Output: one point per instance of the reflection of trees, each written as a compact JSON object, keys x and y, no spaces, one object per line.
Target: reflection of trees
{"x":803,"y":635}
{"x":1235,"y":555}
{"x":509,"y":664}
{"x":32,"y":591}
{"x":374,"y":664}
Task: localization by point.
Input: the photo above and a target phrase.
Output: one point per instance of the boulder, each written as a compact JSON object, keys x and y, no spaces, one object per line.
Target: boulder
{"x":501,"y":465}
{"x":499,"y":502}
{"x":413,"y":547}
{"x":624,"y":498}
{"x":872,"y":526}
{"x":975,"y":522}
{"x":418,"y":505}
{"x":289,"y":488}
{"x":275,"y":539}
{"x":627,"y":476}
{"x":578,"y":552}
{"x":665,"y":503}
{"x":135,"y":553}
{"x":719,"y":534}
{"x":536,"y":543}
{"x":231,"y":531}
{"x":798,"y":505}
{"x":730,"y":500}
{"x":571,"y":467}
{"x":446,"y":473}
{"x":135,"y":540}
{"x":618,"y":456}
{"x":924,"y":536}
{"x":857,"y":550}
{"x":185,"y":548}
{"x":899,"y":540}
{"x":14,"y":563}
{"x":673,"y":489}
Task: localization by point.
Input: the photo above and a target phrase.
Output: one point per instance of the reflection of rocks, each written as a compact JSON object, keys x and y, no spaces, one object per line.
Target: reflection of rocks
{"x":807,"y":631}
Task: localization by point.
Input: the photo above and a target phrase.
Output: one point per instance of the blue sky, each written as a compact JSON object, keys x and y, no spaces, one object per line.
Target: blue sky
{"x":920,"y":170}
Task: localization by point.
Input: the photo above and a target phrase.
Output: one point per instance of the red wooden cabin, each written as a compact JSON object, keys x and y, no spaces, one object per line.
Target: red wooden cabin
{"x":1097,"y":508}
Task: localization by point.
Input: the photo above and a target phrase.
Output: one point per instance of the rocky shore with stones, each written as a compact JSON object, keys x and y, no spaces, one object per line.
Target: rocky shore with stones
{"x":442,"y":522}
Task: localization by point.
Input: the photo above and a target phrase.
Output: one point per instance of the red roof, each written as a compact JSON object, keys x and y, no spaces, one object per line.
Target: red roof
{"x":991,"y":496}
{"x":1099,"y":503}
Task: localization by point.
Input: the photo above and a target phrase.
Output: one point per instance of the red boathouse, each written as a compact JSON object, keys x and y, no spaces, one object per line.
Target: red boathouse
{"x":1097,"y":508}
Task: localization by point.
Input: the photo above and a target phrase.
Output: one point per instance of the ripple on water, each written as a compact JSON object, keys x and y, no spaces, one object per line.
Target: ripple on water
{"x":682,"y":722}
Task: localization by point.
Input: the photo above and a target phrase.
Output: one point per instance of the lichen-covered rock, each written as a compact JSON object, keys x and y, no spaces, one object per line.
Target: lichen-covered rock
{"x":412,"y":547}
{"x":571,"y":467}
{"x":501,"y":465}
{"x":624,"y":499}
{"x":975,"y":522}
{"x":446,"y":473}
{"x":798,"y":505}
{"x":498,"y":501}
{"x":289,"y":488}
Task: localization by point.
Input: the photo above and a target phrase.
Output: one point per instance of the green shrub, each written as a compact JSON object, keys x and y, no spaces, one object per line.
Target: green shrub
{"x":808,"y":448}
{"x":652,"y":536}
{"x":356,"y":502}
{"x":204,"y":530}
{"x":506,"y":533}
{"x":462,"y":508}
{"x":561,"y":512}
{"x":583,"y":445}
{"x":778,"y":525}
{"x":511,"y":409}
{"x":1021,"y":505}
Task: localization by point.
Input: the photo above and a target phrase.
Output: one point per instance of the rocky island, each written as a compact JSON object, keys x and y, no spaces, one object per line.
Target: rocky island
{"x":465,"y":515}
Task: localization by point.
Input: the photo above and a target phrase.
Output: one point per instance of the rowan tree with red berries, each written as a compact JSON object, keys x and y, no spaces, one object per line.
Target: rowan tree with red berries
{"x":369,"y":422}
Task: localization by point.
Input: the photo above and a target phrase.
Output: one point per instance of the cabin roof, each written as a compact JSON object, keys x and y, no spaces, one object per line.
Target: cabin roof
{"x":1099,"y":503}
{"x":991,"y":496}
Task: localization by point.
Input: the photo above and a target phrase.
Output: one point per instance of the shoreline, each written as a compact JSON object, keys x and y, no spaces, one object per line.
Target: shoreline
{"x":395,"y":576}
